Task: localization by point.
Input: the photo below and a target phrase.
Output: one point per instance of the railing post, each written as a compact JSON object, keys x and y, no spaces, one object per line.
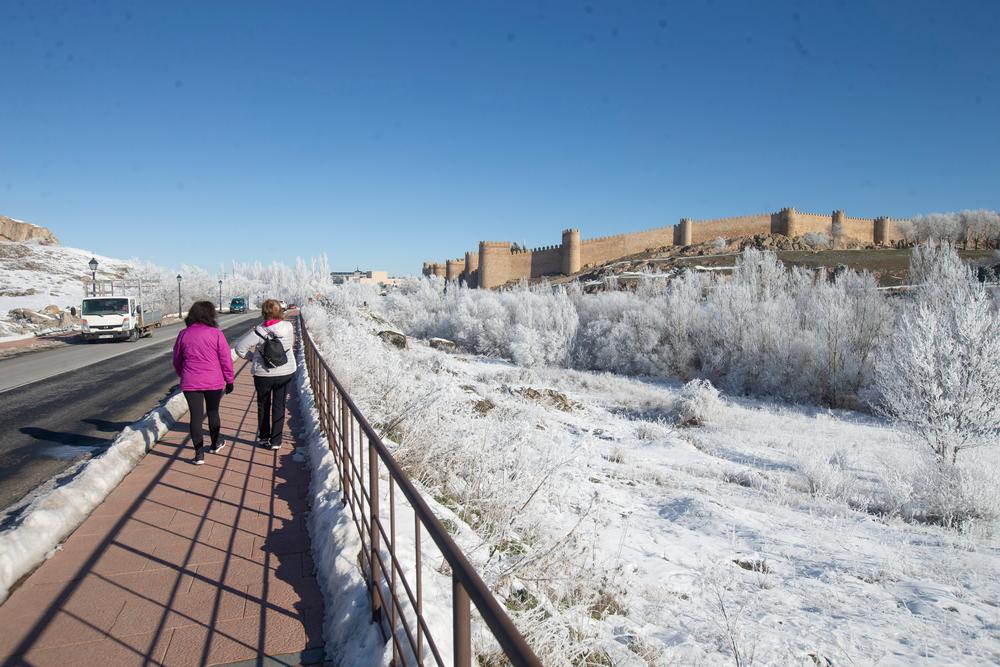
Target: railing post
{"x":332,"y":410}
{"x":345,"y":455}
{"x":373,"y":501}
{"x":461,"y":616}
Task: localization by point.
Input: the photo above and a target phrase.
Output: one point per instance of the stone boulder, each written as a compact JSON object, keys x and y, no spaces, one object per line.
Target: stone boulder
{"x":52,"y":310}
{"x":26,"y":315}
{"x":443,"y":344}
{"x":393,"y":338}
{"x":550,"y":396}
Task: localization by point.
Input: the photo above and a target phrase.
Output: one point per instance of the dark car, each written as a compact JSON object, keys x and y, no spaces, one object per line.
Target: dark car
{"x":238,"y":305}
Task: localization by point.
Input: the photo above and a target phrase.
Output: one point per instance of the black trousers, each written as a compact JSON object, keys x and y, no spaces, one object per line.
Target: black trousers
{"x":271,"y":392}
{"x":197,"y":402}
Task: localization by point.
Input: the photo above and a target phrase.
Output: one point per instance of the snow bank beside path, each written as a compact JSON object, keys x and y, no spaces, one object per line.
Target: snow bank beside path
{"x":348,"y":632}
{"x":53,"y":516}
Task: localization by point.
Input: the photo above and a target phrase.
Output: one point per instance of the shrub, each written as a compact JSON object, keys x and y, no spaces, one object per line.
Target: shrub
{"x":816,"y":239}
{"x":699,"y":404}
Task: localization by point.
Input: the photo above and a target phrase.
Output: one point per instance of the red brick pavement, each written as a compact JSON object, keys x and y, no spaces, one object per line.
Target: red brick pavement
{"x":181,"y":564}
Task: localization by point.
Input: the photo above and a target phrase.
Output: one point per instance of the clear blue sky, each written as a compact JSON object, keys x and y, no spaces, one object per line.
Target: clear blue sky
{"x":387,"y":134}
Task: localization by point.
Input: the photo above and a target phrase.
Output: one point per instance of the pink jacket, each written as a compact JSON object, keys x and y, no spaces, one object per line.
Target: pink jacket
{"x":202,"y":358}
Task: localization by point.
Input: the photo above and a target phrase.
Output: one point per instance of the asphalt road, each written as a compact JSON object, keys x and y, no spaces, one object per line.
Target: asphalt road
{"x":60,"y":406}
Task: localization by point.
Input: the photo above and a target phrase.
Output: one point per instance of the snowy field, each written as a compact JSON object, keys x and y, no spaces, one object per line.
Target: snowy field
{"x":633,"y":521}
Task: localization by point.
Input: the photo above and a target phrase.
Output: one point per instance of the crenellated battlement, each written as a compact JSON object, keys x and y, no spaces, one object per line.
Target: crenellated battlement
{"x":499,"y":262}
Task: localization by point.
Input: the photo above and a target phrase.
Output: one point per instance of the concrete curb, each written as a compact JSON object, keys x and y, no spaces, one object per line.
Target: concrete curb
{"x":51,"y":518}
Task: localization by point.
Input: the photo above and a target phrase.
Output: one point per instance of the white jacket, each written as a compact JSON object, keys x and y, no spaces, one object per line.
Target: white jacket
{"x":246,"y":347}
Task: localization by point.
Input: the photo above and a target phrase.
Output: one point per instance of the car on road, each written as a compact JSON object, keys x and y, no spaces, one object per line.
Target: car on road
{"x":238,"y":305}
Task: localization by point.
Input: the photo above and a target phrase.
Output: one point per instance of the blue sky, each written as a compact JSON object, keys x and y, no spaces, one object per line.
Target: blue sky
{"x":389,"y":133}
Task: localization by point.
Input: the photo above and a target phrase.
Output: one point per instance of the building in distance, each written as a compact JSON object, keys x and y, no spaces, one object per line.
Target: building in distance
{"x":379,"y":278}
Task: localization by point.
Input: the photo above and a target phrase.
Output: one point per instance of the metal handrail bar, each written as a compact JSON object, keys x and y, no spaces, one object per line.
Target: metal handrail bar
{"x":467,"y":586}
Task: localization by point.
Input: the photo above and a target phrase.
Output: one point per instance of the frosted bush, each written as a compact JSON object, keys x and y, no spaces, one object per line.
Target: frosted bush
{"x":532,"y":326}
{"x":816,"y":239}
{"x":699,"y":404}
{"x":825,"y":474}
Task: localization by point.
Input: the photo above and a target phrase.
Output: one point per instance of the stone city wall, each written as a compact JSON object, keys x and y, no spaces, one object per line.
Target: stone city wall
{"x":727,"y":228}
{"x":498,"y":263}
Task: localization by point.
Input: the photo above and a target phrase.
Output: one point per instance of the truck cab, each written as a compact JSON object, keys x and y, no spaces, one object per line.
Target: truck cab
{"x":116,"y":318}
{"x":238,"y":305}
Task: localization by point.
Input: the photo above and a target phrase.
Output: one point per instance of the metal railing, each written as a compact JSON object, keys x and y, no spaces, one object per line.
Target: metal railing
{"x":398,"y":603}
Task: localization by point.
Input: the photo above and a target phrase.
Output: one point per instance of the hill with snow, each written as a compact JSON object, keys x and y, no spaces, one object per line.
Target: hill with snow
{"x":34,"y":275}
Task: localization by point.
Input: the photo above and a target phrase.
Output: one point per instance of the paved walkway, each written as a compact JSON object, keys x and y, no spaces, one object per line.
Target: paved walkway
{"x":181,"y":564}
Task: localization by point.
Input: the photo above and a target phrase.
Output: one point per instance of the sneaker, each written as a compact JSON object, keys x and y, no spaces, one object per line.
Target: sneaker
{"x":219,"y":446}
{"x":274,"y":446}
{"x":263,"y":442}
{"x":199,"y":457}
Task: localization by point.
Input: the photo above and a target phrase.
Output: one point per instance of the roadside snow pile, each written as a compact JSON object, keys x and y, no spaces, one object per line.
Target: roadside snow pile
{"x":51,"y":517}
{"x":638,"y":522}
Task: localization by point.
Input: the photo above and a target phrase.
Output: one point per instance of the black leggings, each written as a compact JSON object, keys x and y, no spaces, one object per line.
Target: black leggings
{"x":271,"y":393}
{"x":197,"y":401}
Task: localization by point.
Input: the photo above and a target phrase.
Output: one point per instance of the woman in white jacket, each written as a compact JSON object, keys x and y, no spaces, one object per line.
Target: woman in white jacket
{"x":270,"y":379}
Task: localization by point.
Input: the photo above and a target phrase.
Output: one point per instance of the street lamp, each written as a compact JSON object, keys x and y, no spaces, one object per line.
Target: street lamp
{"x":220,"y":295}
{"x":178,"y":295}
{"x":93,"y":277}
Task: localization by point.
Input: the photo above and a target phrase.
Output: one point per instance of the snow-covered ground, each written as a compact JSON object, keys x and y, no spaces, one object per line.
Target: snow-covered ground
{"x":766,"y":533}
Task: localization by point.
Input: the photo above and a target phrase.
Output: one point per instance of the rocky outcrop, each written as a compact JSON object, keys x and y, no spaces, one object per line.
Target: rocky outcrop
{"x":394,"y":338}
{"x":443,"y":344}
{"x":27,"y":315}
{"x":15,"y":230}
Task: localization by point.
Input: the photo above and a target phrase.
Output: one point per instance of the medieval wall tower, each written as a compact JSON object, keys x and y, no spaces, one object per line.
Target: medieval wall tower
{"x":570,"y":251}
{"x":471,"y":275}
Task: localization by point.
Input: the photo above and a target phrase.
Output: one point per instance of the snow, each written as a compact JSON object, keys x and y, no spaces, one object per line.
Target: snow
{"x":755,"y":532}
{"x":51,"y":516}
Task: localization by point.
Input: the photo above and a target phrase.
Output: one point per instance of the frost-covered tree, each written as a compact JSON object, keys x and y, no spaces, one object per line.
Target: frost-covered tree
{"x":938,"y":377}
{"x":974,"y":226}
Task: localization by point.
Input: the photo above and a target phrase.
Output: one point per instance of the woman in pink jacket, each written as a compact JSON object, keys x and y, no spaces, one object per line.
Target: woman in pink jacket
{"x":205,"y":366}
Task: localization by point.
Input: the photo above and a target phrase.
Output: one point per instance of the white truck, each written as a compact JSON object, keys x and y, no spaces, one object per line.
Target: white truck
{"x":117,"y":318}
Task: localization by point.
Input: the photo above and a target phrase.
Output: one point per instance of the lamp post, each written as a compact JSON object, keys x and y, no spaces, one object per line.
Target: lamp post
{"x":178,"y":296}
{"x":220,"y":295}
{"x":93,"y":276}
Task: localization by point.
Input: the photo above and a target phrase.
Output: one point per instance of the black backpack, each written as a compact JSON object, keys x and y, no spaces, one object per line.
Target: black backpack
{"x":271,"y":350}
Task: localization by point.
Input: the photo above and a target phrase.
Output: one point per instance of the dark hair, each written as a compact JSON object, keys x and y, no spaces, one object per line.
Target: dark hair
{"x":201,"y":312}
